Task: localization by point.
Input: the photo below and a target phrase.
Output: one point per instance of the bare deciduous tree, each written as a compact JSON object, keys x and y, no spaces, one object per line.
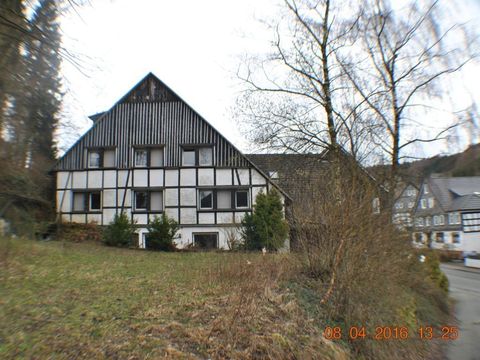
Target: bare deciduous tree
{"x":402,"y":63}
{"x":297,"y":98}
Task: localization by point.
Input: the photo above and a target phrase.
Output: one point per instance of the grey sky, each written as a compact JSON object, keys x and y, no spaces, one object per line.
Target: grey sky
{"x":195,"y":47}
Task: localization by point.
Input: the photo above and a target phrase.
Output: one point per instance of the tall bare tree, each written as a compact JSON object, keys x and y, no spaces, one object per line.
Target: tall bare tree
{"x":297,"y":98}
{"x":403,"y":61}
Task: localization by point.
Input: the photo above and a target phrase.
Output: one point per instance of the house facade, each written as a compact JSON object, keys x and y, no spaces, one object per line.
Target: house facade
{"x":404,"y":207}
{"x":151,"y":153}
{"x":447,"y":213}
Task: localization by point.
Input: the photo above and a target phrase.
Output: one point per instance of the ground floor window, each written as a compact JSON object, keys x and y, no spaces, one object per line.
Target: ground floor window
{"x":456,"y":238}
{"x":418,"y":237}
{"x":439,"y":237}
{"x":206,"y":240}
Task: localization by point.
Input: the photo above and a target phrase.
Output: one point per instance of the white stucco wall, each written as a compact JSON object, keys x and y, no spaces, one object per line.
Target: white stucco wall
{"x":471,"y":242}
{"x":180,"y":203}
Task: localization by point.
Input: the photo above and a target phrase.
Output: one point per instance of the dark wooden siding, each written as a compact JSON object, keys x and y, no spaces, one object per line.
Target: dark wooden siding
{"x":171,"y":124}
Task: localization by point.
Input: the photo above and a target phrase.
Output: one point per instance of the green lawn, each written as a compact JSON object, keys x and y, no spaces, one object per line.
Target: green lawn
{"x":89,"y":301}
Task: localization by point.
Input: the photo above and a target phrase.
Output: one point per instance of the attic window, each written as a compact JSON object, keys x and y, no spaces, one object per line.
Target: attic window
{"x":98,"y":158}
{"x":188,"y":157}
{"x":197,"y":156}
{"x":205,"y":156}
{"x":94,"y":159}
{"x":141,"y":158}
{"x":273,"y":175}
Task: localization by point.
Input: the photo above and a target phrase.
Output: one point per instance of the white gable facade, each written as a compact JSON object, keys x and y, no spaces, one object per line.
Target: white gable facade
{"x":152,"y":154}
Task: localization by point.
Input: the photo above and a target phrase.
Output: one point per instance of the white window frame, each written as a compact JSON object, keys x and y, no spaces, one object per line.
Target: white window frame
{"x":194,"y":156}
{"x":437,"y":235}
{"x":200,"y":199}
{"x":137,"y":165}
{"x":248,"y":200}
{"x":146,"y":208}
{"x":199,"y":158}
{"x":423,"y":203}
{"x":150,"y":151}
{"x":431,"y":203}
{"x":459,"y":238}
{"x":100,"y":155}
{"x":90,"y":194}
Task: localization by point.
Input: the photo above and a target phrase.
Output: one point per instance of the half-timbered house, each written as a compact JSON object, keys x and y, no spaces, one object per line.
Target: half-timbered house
{"x":152,"y":153}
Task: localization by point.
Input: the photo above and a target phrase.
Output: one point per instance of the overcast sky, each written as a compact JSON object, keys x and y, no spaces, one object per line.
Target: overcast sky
{"x":195,"y":47}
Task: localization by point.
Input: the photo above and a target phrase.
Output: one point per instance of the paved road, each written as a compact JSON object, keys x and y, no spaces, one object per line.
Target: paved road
{"x":465,"y":289}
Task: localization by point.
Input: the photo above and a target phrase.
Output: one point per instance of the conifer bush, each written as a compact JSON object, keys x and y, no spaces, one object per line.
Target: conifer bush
{"x":265,"y":226}
{"x":119,"y":232}
{"x":161,"y":232}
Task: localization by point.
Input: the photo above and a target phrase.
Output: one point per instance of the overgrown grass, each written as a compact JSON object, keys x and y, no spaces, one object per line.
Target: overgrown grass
{"x":88,"y":301}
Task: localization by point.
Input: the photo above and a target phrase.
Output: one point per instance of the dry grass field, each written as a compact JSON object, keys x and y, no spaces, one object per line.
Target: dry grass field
{"x":86,"y":301}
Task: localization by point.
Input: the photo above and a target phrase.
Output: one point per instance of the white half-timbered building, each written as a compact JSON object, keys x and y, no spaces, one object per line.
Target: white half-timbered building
{"x":152,"y":153}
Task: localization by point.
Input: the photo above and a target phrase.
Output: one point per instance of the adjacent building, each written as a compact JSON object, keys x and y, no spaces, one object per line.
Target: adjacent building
{"x":151,"y":153}
{"x":446,"y":214}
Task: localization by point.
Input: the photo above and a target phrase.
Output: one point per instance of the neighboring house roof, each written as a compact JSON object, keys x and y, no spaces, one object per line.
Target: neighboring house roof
{"x":296,"y":171}
{"x":456,"y":193}
{"x":466,"y":202}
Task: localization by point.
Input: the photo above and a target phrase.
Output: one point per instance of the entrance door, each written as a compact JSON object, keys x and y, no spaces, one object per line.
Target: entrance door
{"x":206,"y":240}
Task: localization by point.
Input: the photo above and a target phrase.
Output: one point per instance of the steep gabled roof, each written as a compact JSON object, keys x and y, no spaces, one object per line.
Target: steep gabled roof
{"x":147,"y":115}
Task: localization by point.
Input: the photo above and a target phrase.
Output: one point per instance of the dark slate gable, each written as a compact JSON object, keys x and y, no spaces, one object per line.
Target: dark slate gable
{"x":150,"y":89}
{"x":151,"y":114}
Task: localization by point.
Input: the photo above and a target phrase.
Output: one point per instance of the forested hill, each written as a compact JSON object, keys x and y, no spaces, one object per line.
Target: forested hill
{"x":466,"y":163}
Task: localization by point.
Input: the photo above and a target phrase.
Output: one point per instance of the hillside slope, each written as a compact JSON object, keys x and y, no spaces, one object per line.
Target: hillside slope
{"x":466,"y":163}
